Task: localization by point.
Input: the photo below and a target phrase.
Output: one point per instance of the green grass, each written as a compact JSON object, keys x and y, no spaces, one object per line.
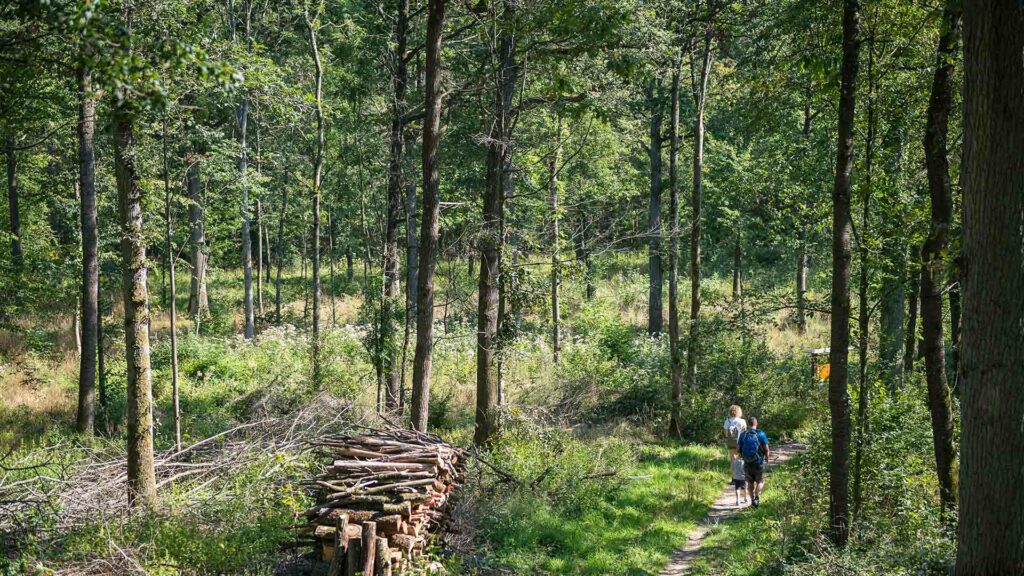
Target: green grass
{"x":632,"y":530}
{"x":757,"y":541}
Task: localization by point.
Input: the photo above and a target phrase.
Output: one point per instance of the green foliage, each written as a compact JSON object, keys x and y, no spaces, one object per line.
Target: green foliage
{"x":572,"y":505}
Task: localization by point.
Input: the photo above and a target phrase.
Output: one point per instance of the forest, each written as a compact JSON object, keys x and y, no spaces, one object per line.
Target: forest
{"x":469,"y":287}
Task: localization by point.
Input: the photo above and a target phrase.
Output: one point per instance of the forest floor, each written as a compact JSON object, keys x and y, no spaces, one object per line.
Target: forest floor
{"x":724,"y":509}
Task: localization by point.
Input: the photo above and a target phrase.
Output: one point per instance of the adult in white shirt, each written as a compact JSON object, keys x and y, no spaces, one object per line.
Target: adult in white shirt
{"x":733,"y":427}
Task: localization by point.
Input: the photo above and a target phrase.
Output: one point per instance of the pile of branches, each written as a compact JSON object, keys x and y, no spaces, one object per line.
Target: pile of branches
{"x":67,"y":486}
{"x":382,"y":497}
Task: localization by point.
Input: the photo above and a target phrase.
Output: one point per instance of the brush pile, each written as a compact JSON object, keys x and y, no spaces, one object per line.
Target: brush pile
{"x":381,"y":498}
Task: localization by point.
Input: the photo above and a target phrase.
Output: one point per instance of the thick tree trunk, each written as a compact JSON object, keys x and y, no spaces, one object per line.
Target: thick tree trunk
{"x":654,"y":264}
{"x":933,"y":263}
{"x":556,"y":342}
{"x":491,"y":241}
{"x":141,"y":475}
{"x":838,"y":394}
{"x":198,"y":300}
{"x":389,"y":304}
{"x":318,"y":161}
{"x":429,"y":229}
{"x":675,"y":424}
{"x":990,"y":540}
{"x":86,"y":418}
{"x":700,"y":89}
{"x":17,"y":257}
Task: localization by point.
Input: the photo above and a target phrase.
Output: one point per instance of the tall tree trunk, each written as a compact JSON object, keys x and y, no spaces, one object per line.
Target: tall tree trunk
{"x":17,"y":257}
{"x":330,"y":259}
{"x":280,"y":250}
{"x":933,"y":261}
{"x":259,"y":257}
{"x":318,"y":161}
{"x":389,"y":303}
{"x":431,"y":215}
{"x":412,"y":251}
{"x":198,"y":300}
{"x":556,"y":343}
{"x":174,"y":294}
{"x":801,"y":282}
{"x":350,"y":267}
{"x":141,"y":475}
{"x":863,"y":318}
{"x":492,"y":236}
{"x":86,"y":418}
{"x":991,"y":530}
{"x":700,"y":89}
{"x":242,"y":117}
{"x":675,"y":424}
{"x":101,"y":368}
{"x":242,"y":123}
{"x":654,"y":264}
{"x":838,"y":394}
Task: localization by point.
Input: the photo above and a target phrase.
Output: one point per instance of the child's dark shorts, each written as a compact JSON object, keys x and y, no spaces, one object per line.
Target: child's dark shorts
{"x":753,"y":472}
{"x":739,"y":484}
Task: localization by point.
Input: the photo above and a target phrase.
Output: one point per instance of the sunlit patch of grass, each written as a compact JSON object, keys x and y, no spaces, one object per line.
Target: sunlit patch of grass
{"x":633,"y":530}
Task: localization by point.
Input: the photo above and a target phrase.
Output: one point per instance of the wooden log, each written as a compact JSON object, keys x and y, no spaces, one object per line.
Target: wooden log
{"x":348,"y":465}
{"x":382,"y":564}
{"x":404,"y":542}
{"x":369,"y":546}
{"x":338,"y":544}
{"x":391,"y":524}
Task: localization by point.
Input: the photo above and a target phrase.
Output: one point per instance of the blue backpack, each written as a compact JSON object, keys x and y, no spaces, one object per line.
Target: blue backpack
{"x":750,"y":448}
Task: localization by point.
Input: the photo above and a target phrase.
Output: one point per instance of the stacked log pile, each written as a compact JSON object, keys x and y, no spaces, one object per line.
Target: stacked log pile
{"x":380,"y":500}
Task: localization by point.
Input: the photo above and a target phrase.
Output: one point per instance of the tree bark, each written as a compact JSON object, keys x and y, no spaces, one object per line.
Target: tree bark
{"x":17,"y":257}
{"x":838,"y":394}
{"x":675,"y":424}
{"x":86,"y":417}
{"x":174,"y":294}
{"x":933,"y":263}
{"x":280,"y":250}
{"x":259,"y":257}
{"x":318,"y":161}
{"x":700,"y":89}
{"x":431,"y":215}
{"x":198,"y":300}
{"x":556,"y":343}
{"x":991,"y":531}
{"x":141,"y":475}
{"x":492,"y":236}
{"x":389,"y":303}
{"x":654,"y":264}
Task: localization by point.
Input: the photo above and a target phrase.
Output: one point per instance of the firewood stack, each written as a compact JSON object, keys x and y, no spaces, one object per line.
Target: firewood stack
{"x":380,"y":500}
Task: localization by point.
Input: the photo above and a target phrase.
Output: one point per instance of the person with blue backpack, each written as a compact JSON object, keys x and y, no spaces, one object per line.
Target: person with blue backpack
{"x":754,"y":448}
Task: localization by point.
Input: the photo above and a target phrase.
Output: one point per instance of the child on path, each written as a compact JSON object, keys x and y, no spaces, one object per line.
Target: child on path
{"x":739,"y":479}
